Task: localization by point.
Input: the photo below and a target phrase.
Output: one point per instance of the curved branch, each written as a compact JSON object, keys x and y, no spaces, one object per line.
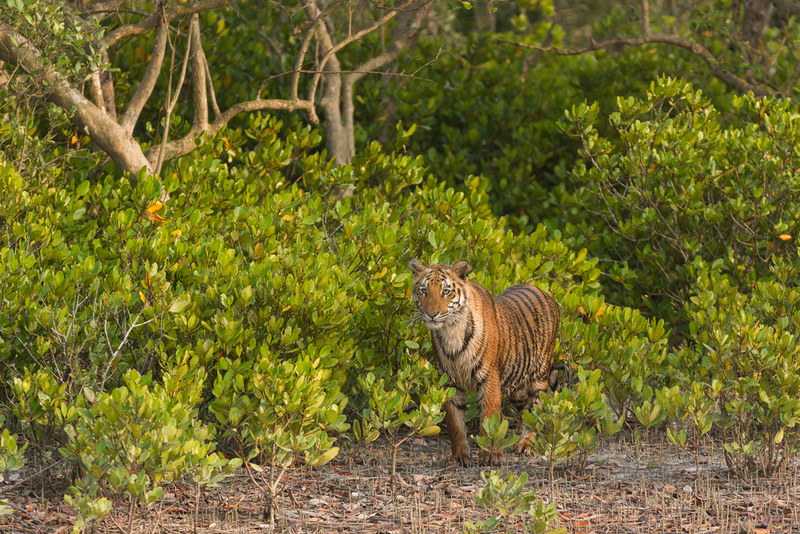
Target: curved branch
{"x":169,"y":15}
{"x":149,"y":80}
{"x":301,"y":56}
{"x":172,"y":101}
{"x":728,"y":78}
{"x":183,"y":146}
{"x":407,"y":31}
{"x":353,"y":37}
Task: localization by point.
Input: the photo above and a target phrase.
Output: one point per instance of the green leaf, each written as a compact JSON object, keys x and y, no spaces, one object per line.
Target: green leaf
{"x":325,"y":457}
{"x":83,"y":188}
{"x":429,"y":431}
{"x":179,"y":305}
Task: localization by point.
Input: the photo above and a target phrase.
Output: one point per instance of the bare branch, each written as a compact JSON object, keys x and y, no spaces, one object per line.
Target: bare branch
{"x":730,"y":79}
{"x":107,"y":86}
{"x":407,"y":31}
{"x":212,"y":94}
{"x":317,"y":19}
{"x":106,"y":7}
{"x":646,"y":19}
{"x":96,"y":90}
{"x":337,"y":135}
{"x":185,"y":145}
{"x":149,"y":80}
{"x":353,"y":37}
{"x":172,"y":103}
{"x":200,"y":97}
{"x":169,"y":15}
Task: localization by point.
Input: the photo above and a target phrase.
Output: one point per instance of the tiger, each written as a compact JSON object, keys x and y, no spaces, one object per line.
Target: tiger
{"x":485,"y":344}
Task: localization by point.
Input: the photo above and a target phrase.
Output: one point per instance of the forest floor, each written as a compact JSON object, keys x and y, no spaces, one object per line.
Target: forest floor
{"x":627,"y":487}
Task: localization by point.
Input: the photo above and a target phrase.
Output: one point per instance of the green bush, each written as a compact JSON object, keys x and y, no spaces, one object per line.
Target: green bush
{"x":11,"y":458}
{"x":391,"y":410}
{"x":249,"y":268}
{"x":562,"y":427}
{"x":747,"y":357}
{"x":505,"y":500}
{"x":674,"y":184}
{"x":488,"y":108}
{"x":139,"y":437}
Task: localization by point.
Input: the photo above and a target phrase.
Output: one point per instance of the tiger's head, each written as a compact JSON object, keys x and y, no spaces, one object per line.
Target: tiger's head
{"x":440,"y":292}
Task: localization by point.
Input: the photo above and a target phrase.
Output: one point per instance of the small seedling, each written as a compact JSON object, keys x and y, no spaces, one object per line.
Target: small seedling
{"x":495,"y":439}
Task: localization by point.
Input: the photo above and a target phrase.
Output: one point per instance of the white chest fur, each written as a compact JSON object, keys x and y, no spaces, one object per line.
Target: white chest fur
{"x":457,"y":347}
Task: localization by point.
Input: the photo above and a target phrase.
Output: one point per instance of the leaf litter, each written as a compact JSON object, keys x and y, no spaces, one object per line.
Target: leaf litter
{"x":629,"y":486}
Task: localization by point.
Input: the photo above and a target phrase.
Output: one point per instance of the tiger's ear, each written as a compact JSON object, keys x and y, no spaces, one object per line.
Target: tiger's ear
{"x":462,"y":269}
{"x":416,"y":266}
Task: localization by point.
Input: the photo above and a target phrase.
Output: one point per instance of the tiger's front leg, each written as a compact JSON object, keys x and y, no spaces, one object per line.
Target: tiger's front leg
{"x":489,"y":397}
{"x":455,"y":417}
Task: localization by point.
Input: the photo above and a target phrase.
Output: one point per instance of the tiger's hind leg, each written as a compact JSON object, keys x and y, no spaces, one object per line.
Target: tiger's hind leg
{"x":522,"y":399}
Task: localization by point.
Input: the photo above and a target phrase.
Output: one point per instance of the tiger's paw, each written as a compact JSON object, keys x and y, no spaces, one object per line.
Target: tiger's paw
{"x":463,"y":461}
{"x":487,"y":458}
{"x":461,"y":456}
{"x":523,"y":446}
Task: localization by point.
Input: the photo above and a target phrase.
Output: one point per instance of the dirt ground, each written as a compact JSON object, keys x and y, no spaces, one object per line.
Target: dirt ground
{"x":627,"y":487}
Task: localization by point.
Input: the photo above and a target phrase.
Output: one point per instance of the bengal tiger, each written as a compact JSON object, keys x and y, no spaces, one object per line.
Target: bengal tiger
{"x":485,"y":344}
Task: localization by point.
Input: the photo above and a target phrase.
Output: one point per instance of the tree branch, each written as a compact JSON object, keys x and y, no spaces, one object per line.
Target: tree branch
{"x":168,"y":16}
{"x":728,"y":78}
{"x":330,"y":102}
{"x":109,"y":136}
{"x":646,"y":32}
{"x":185,"y":145}
{"x":172,"y":103}
{"x":96,"y":90}
{"x":406,"y":32}
{"x":318,"y":18}
{"x":199,"y":94}
{"x":353,"y":37}
{"x":149,"y":80}
{"x":107,"y":86}
{"x":211,"y":93}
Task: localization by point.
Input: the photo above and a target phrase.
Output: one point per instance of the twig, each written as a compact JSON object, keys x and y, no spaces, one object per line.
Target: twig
{"x":700,"y":51}
{"x":168,"y":15}
{"x":150,"y":78}
{"x":171,"y":104}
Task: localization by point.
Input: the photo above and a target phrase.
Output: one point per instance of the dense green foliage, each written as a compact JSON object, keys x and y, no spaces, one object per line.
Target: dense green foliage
{"x":262,"y":315}
{"x":677,"y":185}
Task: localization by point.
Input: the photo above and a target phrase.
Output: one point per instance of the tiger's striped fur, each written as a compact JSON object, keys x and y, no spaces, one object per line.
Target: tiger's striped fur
{"x":485,"y":344}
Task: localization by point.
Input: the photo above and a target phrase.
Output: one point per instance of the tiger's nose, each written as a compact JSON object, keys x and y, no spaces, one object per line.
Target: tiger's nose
{"x":432,"y":314}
